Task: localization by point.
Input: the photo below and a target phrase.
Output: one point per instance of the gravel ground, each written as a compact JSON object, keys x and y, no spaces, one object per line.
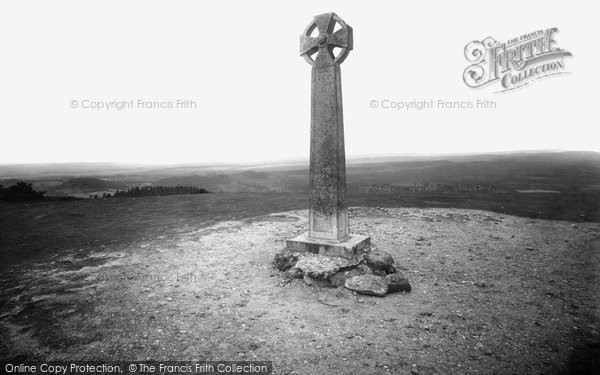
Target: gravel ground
{"x":492,"y":293}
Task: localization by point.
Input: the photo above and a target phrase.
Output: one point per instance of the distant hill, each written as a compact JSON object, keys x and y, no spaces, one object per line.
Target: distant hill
{"x":86,"y":183}
{"x":574,"y":172}
{"x":71,"y":170}
{"x":244,"y":181}
{"x":553,"y":185}
{"x":82,"y":187}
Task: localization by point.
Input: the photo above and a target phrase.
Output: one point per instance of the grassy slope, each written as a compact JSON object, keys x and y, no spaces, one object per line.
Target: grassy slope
{"x":35,"y":229}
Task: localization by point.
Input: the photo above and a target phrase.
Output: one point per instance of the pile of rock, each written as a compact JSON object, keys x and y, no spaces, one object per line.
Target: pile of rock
{"x":372,"y":272}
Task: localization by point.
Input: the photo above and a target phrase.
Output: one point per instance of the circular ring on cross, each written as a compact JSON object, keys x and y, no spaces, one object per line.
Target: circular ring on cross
{"x":329,"y":39}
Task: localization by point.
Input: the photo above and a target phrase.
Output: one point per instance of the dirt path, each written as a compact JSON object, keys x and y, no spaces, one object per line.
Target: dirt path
{"x":491,"y":294}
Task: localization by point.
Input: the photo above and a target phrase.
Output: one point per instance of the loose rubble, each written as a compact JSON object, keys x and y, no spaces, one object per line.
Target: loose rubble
{"x":372,"y":273}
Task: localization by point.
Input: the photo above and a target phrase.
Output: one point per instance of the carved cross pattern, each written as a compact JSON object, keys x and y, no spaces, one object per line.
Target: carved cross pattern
{"x":326,"y":41}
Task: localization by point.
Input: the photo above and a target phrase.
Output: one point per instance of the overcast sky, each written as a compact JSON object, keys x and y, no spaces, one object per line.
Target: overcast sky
{"x":238,"y":61}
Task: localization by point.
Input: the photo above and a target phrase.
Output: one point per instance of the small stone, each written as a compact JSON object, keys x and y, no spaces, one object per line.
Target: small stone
{"x":397,"y":283}
{"x":479,"y":346}
{"x":529,"y":248}
{"x":294,"y":273}
{"x":169,"y":299}
{"x":380,"y":262}
{"x":339,"y":278}
{"x":284,"y":260}
{"x":316,"y":281}
{"x":368,"y":284}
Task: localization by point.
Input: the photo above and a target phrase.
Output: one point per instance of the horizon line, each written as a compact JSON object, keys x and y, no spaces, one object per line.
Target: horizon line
{"x":286,"y":160}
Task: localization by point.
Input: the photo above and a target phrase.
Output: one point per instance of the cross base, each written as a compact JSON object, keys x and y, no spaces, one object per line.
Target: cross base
{"x":350,"y":248}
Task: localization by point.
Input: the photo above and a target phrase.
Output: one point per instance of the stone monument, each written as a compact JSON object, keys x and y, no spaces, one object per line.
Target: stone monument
{"x":328,"y":254}
{"x":328,"y":232}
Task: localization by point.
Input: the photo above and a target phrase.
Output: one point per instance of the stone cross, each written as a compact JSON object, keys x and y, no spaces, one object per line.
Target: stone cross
{"x":328,"y":215}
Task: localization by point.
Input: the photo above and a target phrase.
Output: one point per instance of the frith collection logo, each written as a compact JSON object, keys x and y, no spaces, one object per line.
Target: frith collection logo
{"x":515,"y":63}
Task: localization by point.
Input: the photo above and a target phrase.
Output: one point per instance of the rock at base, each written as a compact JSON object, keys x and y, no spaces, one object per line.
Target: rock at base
{"x":369,"y":272}
{"x":323,"y":283}
{"x":339,"y":279}
{"x":397,"y":283}
{"x":368,"y":284}
{"x":380,"y":262}
{"x":294,"y":273}
{"x":321,"y":266}
{"x":285,"y":259}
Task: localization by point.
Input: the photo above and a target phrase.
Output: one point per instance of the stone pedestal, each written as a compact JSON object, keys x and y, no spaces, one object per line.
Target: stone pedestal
{"x":352,"y":247}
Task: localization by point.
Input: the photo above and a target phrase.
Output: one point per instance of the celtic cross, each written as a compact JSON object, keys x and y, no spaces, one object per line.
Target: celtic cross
{"x":328,"y":214}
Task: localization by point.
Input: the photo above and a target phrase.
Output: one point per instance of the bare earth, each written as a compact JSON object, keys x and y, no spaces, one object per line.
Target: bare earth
{"x":491,"y":294}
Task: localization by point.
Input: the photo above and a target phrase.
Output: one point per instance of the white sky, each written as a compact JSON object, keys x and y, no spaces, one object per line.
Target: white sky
{"x":239,"y":61}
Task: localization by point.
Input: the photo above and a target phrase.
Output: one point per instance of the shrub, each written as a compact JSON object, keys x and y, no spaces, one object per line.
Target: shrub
{"x":20,"y":192}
